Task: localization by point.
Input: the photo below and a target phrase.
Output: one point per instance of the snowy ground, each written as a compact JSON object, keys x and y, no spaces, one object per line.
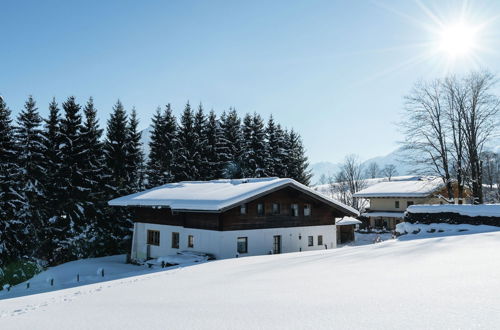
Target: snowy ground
{"x":430,"y":283}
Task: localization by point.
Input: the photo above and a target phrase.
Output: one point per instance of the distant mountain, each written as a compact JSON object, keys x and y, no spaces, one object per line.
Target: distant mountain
{"x":330,"y":169}
{"x":323,"y":168}
{"x":395,"y":158}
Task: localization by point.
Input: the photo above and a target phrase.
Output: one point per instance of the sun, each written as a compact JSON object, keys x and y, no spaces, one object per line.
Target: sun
{"x":458,"y":40}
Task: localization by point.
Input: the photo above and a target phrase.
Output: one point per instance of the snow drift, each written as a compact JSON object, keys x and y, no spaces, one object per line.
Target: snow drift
{"x":438,"y":283}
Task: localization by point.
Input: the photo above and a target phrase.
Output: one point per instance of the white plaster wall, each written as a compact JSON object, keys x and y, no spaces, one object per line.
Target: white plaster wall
{"x":223,"y":244}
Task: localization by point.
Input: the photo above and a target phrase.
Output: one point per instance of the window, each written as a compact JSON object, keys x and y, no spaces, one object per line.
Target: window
{"x":409,"y":203}
{"x":396,"y":204}
{"x":310,"y":241}
{"x":276,"y":208}
{"x":307,"y":210}
{"x":320,"y":239}
{"x":243,"y":209}
{"x":294,"y":210}
{"x":260,"y":209}
{"x":190,"y":241}
{"x":242,"y":245}
{"x":175,"y":240}
{"x":277,"y":244}
{"x":153,"y":237}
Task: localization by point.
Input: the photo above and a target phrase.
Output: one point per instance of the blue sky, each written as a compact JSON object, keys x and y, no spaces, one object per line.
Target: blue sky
{"x":335,"y":71}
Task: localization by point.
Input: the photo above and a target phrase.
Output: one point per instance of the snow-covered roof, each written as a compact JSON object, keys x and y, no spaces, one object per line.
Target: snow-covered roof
{"x":348,"y":221}
{"x":420,"y":187}
{"x":485,"y":210}
{"x":218,"y":195}
{"x":400,"y":215}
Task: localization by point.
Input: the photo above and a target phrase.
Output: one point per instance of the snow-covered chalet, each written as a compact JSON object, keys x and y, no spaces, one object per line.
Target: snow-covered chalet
{"x":230,"y":218}
{"x":390,"y":199}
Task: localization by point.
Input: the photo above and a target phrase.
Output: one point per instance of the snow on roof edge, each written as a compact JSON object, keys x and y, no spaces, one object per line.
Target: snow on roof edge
{"x":224,"y":204}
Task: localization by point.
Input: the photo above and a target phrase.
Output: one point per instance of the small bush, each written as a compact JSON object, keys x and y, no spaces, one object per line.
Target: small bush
{"x":18,"y":271}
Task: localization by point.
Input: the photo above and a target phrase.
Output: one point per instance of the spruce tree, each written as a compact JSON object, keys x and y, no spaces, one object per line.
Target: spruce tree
{"x":115,"y":151}
{"x":161,"y":146}
{"x":186,"y":151}
{"x":72,"y":191}
{"x":135,"y":156}
{"x":254,"y":154}
{"x":297,"y":164}
{"x":117,"y":179}
{"x":30,"y":159}
{"x":11,"y":230}
{"x":276,"y":149}
{"x":212,"y":134}
{"x":93,"y":170}
{"x":52,"y":163}
{"x":201,"y":162}
{"x":230,"y":147}
{"x":248,"y":154}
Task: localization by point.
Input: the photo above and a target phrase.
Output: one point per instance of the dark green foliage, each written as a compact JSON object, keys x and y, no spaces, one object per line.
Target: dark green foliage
{"x":30,"y":158}
{"x":230,"y":145}
{"x":296,"y":160}
{"x":18,"y":271}
{"x":135,"y":156}
{"x":115,"y":151}
{"x":254,"y":155}
{"x":201,"y":158}
{"x":186,"y":154}
{"x":162,"y":144}
{"x":277,"y":150}
{"x":56,"y":180}
{"x":11,"y":230}
{"x":119,"y":221}
{"x":71,"y":192}
{"x":52,"y":162}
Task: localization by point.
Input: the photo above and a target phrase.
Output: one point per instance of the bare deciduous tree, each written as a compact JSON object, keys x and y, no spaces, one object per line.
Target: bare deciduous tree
{"x":372,"y":170}
{"x":426,"y":132}
{"x":447,"y":123}
{"x":348,"y":181}
{"x":480,"y":118}
{"x":389,"y":171}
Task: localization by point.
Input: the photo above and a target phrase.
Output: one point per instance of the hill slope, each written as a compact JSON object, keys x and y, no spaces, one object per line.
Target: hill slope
{"x":436,"y":283}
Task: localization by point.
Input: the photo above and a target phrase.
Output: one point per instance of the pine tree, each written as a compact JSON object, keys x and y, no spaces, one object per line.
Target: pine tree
{"x":297,"y":164}
{"x":248,"y":154}
{"x":30,"y":159}
{"x":230,"y":148}
{"x":161,"y":146}
{"x":201,"y":162}
{"x":52,"y":163}
{"x":276,"y":149}
{"x":135,"y":156}
{"x":92,"y":234}
{"x":115,"y":151}
{"x":11,"y":230}
{"x":212,"y":135}
{"x":186,"y":152}
{"x":259,"y":146}
{"x":115,"y":155}
{"x":72,"y":191}
{"x":282,"y":156}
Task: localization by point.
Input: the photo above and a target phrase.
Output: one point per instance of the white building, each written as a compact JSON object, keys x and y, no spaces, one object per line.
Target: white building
{"x":389,"y":199}
{"x":229,"y":218}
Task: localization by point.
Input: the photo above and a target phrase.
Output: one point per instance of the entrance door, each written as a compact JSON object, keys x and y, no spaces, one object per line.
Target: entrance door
{"x":277,"y":244}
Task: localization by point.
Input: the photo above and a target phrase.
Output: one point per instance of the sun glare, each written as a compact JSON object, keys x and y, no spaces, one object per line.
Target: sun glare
{"x":457,"y":40}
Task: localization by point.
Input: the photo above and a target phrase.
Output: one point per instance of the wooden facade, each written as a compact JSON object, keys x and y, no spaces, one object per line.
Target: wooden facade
{"x":233,"y":219}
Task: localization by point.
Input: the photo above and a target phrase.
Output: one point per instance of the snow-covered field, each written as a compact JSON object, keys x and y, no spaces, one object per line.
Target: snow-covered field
{"x":443,"y":282}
